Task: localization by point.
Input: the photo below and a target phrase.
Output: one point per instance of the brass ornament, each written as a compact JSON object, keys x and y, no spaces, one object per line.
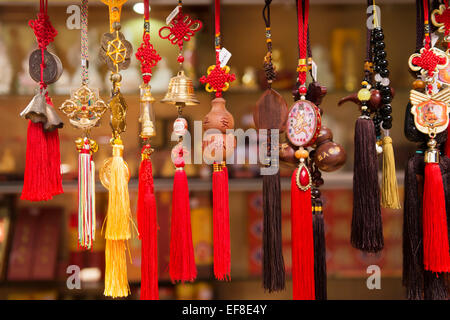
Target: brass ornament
{"x":180,"y":91}
{"x":53,"y":119}
{"x":118,"y":108}
{"x":36,"y":110}
{"x":145,"y":118}
{"x":115,"y":51}
{"x":84,"y":108}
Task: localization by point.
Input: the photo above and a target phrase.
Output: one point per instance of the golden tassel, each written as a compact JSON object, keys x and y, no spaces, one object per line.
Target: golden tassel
{"x":116,"y":279}
{"x":389,"y":189}
{"x":119,"y":212}
{"x":114,"y":176}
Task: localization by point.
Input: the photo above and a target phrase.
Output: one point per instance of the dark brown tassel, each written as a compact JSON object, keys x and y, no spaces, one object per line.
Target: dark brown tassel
{"x":413,"y":272}
{"x":367,"y":226}
{"x":435,"y":286}
{"x":320,"y":263}
{"x":273,"y":262}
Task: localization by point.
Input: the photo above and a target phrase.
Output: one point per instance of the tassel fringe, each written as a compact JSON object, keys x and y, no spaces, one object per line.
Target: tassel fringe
{"x":221,"y":225}
{"x":273,"y":262}
{"x":119,"y":212}
{"x":116,"y":279}
{"x":320,"y":262}
{"x":148,"y":231}
{"x":367,"y":226}
{"x":389,"y":190}
{"x":435,"y":232}
{"x":182,"y":261}
{"x":302,"y":243}
{"x":86,"y":199}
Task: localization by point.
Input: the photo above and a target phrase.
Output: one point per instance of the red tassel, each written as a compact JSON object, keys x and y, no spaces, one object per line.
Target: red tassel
{"x":54,"y":162}
{"x":447,"y":143}
{"x":436,"y":255}
{"x":148,"y":232}
{"x":221,"y":224}
{"x":36,"y":183}
{"x":302,"y":239}
{"x":182,"y":262}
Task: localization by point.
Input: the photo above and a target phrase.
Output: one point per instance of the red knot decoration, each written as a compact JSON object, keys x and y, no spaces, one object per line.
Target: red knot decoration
{"x":218,"y":79}
{"x":441,"y":18}
{"x":428,"y":61}
{"x":148,"y":57}
{"x":181,"y":29}
{"x":43,"y":30}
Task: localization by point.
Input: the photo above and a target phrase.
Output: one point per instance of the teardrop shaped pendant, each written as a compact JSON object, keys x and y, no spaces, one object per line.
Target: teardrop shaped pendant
{"x":303,"y":177}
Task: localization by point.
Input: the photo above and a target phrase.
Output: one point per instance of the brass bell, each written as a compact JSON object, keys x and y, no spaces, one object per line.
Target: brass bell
{"x":53,"y":119}
{"x":181,"y":91}
{"x":36,"y":110}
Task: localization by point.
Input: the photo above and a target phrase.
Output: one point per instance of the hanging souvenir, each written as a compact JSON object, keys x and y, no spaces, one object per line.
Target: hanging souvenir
{"x":303,"y":127}
{"x":180,"y":29}
{"x":42,"y":177}
{"x":440,"y":18}
{"x":84,"y":110}
{"x":326,"y":155}
{"x":374,"y":99}
{"x":116,"y":52}
{"x":305,"y":130}
{"x":218,"y":144}
{"x":270,"y":114}
{"x":146,"y":211}
{"x":426,"y":258}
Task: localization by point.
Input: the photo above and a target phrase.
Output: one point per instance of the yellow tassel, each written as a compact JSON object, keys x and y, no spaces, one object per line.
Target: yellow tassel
{"x":389,"y":189}
{"x":119,"y":214}
{"x":116,"y":279}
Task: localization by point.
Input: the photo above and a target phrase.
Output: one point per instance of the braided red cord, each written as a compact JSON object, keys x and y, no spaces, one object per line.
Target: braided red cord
{"x":146,"y":54}
{"x":302,"y":39}
{"x":44,"y":32}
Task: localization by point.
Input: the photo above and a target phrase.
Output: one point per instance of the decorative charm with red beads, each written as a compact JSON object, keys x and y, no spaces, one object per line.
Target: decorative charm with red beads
{"x":148,"y":57}
{"x":441,"y":18}
{"x":218,"y":79}
{"x":428,"y":61}
{"x":181,"y":29}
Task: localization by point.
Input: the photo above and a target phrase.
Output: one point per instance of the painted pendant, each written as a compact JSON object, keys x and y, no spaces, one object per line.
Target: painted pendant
{"x":303,"y":124}
{"x":431,"y":113}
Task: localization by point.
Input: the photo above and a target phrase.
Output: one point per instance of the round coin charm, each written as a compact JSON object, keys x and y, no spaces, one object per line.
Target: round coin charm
{"x":53,"y":66}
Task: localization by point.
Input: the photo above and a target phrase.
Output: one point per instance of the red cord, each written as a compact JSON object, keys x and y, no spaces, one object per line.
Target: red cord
{"x":146,"y":10}
{"x":426,"y":23}
{"x":217,"y":29}
{"x":302,"y":38}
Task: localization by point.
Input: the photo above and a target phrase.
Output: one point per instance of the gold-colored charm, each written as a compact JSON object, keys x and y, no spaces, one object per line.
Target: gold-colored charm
{"x":115,"y":9}
{"x":84,"y":108}
{"x":115,"y":51}
{"x":431,"y":113}
{"x":118,"y":113}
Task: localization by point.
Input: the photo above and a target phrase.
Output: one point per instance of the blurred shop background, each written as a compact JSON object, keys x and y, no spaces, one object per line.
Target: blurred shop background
{"x":38,"y":240}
